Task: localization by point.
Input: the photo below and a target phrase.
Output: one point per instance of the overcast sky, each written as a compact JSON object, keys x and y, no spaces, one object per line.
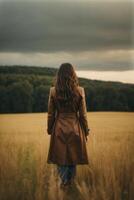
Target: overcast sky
{"x":92,"y":35}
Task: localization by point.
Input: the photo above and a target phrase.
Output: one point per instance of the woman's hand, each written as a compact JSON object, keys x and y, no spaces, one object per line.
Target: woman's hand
{"x":87,"y":134}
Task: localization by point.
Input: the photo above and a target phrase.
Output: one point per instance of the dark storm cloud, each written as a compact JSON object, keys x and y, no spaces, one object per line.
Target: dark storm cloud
{"x":65,"y":26}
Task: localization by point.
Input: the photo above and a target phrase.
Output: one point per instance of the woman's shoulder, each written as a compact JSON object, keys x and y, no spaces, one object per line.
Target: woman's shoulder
{"x":81,"y":89}
{"x":52,"y":90}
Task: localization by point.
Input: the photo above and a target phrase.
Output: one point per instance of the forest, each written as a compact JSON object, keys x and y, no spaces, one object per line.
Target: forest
{"x":25,"y":89}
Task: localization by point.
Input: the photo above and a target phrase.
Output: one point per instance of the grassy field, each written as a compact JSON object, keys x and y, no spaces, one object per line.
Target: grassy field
{"x":25,"y":175}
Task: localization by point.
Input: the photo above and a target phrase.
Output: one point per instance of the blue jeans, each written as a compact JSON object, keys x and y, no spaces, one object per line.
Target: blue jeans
{"x":66,"y":172}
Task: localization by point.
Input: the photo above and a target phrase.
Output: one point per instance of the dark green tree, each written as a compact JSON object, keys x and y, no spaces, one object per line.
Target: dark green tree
{"x":40,"y":96}
{"x":4,"y":100}
{"x":20,"y":97}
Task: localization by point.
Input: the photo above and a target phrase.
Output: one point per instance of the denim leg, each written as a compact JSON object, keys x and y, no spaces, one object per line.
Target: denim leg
{"x":71,"y":171}
{"x":66,"y":172}
{"x":63,"y":173}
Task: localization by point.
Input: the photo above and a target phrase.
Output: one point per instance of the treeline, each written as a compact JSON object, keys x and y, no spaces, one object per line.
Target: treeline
{"x":26,"y":89}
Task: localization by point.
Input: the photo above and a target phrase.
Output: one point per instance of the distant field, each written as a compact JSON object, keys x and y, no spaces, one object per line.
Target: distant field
{"x":25,"y":175}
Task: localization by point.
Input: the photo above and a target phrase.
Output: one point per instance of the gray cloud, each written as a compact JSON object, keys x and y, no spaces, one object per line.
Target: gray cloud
{"x":71,"y":27}
{"x":63,"y":26}
{"x":119,"y":60}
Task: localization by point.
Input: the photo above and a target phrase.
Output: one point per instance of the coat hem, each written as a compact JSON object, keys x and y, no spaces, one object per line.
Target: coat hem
{"x":73,"y":163}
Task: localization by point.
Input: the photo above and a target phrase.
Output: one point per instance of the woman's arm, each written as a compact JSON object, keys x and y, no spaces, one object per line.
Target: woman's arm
{"x":83,"y":114}
{"x":51,"y":112}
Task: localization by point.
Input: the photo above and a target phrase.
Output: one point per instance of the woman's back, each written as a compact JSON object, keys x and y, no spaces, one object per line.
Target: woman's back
{"x":62,"y":106}
{"x":54,"y":107}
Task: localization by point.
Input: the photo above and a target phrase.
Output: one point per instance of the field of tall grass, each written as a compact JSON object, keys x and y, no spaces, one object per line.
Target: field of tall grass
{"x":25,"y":175}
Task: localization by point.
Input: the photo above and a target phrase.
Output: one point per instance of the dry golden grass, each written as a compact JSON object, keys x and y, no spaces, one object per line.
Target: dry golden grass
{"x":25,"y":175}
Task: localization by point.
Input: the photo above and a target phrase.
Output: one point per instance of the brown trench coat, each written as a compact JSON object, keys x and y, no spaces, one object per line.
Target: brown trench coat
{"x":68,"y":132}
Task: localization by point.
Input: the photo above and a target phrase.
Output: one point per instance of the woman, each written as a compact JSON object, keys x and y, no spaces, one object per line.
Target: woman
{"x":67,"y":124}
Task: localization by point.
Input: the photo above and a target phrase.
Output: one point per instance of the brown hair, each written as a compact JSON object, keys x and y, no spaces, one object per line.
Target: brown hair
{"x":66,"y":85}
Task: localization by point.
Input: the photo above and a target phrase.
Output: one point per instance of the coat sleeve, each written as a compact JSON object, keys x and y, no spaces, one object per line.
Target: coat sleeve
{"x":51,"y":112}
{"x":83,"y":114}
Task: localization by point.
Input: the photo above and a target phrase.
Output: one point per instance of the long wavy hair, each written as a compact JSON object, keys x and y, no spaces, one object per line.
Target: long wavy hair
{"x":66,"y":85}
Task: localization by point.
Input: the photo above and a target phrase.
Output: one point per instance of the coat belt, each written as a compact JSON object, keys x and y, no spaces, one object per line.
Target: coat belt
{"x":67,"y":114}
